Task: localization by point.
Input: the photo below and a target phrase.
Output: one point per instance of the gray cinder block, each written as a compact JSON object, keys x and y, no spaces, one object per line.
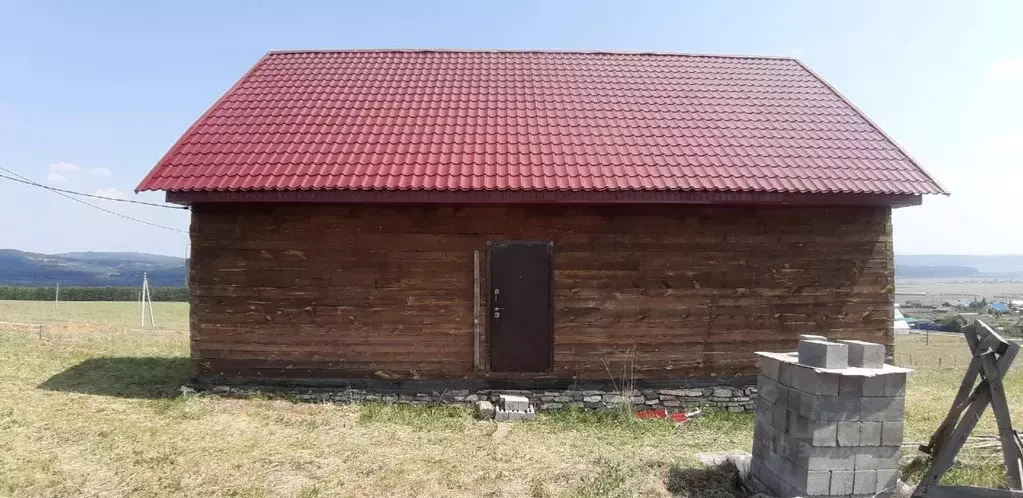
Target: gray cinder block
{"x":873,"y":386}
{"x":828,"y":384}
{"x":850,"y":385}
{"x":503,"y":415}
{"x":887,"y":479}
{"x":767,"y":389}
{"x":816,"y":432}
{"x":895,"y":384}
{"x":892,"y":433}
{"x":878,"y":458}
{"x":896,"y":411}
{"x":870,"y":433}
{"x":837,"y":408}
{"x":841,"y":482}
{"x":516,"y":403}
{"x":795,"y":402}
{"x":824,"y":458}
{"x":798,"y":426}
{"x":865,"y":354}
{"x":848,"y":434}
{"x":785,"y":373}
{"x":865,"y":482}
{"x":810,"y":381}
{"x":783,"y":396}
{"x":817,"y":482}
{"x":824,"y":354}
{"x":824,"y":433}
{"x":770,"y":367}
{"x":883,"y":409}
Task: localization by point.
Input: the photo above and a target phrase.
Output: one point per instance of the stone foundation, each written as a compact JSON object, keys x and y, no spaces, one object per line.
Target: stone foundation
{"x":731,"y":398}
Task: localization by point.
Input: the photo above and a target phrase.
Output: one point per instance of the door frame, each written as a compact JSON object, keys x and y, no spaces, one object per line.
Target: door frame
{"x":490,"y":297}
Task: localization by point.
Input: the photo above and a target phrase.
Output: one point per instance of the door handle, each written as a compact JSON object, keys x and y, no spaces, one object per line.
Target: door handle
{"x":497,"y":312}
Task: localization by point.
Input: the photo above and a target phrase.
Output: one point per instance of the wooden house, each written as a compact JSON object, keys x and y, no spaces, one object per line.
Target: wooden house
{"x":531,"y":219}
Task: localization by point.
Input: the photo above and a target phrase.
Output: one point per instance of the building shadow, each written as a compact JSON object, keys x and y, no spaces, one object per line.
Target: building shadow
{"x":129,"y":377}
{"x":717,"y":481}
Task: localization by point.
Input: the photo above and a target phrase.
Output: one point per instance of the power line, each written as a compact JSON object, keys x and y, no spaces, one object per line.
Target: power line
{"x":58,"y":192}
{"x":22,"y":179}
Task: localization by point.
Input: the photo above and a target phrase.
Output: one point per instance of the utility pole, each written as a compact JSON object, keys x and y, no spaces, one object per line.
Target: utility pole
{"x":144,"y":296}
{"x":56,"y":296}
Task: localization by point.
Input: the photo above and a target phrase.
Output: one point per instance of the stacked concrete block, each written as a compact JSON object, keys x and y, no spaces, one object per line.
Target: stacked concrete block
{"x":829,"y":420}
{"x":513,"y":408}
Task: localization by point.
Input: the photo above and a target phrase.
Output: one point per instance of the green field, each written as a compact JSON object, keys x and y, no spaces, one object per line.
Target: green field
{"x":90,"y":406}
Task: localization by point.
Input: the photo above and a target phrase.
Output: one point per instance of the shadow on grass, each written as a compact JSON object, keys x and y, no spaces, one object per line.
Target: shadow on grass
{"x":719,"y":481}
{"x":143,"y":378}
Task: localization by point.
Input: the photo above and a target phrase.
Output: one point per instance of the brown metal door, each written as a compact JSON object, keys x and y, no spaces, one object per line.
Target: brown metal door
{"x":521,"y":306}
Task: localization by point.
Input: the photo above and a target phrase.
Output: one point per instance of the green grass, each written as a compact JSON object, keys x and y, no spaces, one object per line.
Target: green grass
{"x":91,"y":407}
{"x":92,"y":315}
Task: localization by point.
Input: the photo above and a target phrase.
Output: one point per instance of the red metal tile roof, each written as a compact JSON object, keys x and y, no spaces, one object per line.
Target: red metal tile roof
{"x":534,"y":121}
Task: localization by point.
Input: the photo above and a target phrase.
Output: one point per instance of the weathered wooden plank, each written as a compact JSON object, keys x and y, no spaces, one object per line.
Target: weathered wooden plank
{"x":693,"y":289}
{"x":965,"y":492}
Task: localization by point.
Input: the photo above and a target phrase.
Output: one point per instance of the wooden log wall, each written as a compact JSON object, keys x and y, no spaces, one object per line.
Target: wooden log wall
{"x":665,"y":292}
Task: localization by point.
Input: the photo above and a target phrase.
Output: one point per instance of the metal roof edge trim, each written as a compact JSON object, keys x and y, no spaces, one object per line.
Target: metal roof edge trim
{"x":526,"y":51}
{"x":875,"y":126}
{"x":544,"y":197}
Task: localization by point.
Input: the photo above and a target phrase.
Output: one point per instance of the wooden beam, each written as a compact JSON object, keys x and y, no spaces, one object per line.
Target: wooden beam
{"x":980,"y":338}
{"x":477,"y":364}
{"x":1002,"y":417}
{"x":966,"y":492}
{"x":961,"y":400}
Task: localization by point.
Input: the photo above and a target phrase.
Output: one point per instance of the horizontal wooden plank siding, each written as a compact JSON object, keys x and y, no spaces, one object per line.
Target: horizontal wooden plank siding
{"x":336,"y":291}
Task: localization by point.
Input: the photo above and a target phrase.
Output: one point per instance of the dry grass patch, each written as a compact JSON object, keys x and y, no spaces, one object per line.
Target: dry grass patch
{"x":98,"y":414}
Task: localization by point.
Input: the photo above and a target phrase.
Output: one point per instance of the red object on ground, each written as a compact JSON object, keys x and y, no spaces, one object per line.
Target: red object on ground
{"x":505,"y":121}
{"x":679,"y":417}
{"x":660,"y":413}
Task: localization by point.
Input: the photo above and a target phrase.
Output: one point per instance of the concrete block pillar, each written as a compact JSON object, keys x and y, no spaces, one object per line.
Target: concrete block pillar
{"x":828,"y":424}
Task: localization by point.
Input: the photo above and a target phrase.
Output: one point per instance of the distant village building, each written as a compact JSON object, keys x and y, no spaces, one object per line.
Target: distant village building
{"x":900,"y":325}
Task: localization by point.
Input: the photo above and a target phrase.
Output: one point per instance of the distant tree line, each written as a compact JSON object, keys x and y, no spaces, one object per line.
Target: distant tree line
{"x":91,"y":293}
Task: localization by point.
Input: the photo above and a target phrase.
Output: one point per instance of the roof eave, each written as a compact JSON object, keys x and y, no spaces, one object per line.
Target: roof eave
{"x":543,"y":197}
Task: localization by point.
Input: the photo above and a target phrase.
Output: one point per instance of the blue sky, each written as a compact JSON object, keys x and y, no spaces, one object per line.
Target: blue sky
{"x":93,"y":93}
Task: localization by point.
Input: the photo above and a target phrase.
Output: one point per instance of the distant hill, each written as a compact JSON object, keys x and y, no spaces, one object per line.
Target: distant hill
{"x":89,"y":269}
{"x":958,"y":266}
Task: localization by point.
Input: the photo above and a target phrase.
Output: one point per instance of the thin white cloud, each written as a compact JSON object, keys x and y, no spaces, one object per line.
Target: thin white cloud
{"x":101,"y":171}
{"x":1007,"y":71}
{"x":110,"y":193}
{"x":63,"y":167}
{"x":55,"y":177}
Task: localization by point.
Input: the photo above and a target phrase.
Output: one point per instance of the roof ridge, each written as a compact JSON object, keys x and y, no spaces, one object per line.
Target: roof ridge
{"x":526,"y":51}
